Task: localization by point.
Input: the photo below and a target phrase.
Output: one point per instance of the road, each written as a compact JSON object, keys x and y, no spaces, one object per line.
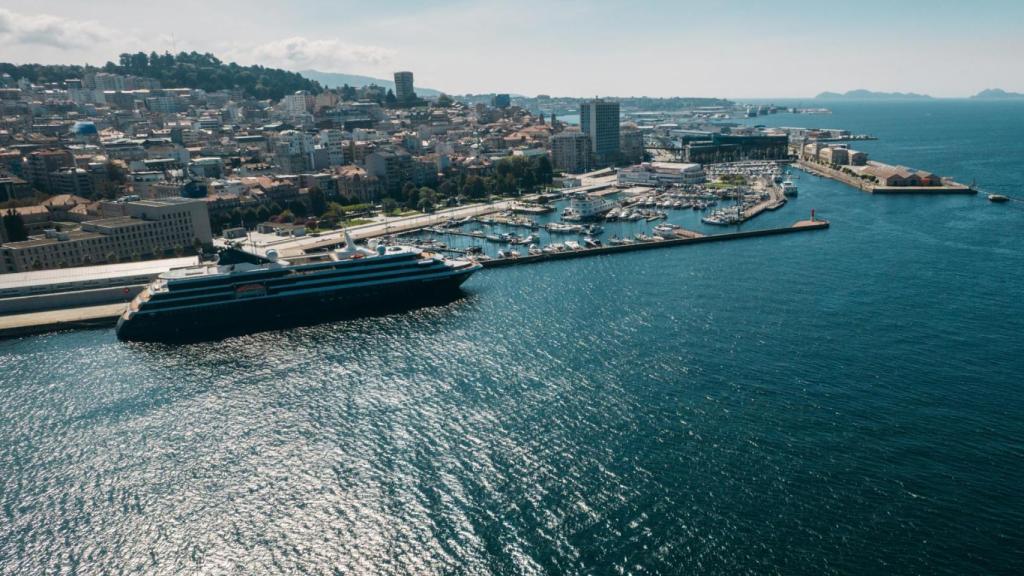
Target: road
{"x":390,"y":225}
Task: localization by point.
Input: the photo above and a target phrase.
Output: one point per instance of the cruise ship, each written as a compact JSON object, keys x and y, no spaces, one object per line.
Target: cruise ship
{"x":244,"y":292}
{"x":582,"y":206}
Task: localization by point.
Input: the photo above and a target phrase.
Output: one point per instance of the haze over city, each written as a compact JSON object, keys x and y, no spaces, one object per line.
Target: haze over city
{"x":734,"y":49}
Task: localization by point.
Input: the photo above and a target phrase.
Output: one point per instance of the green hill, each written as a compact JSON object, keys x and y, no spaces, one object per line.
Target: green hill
{"x":184,"y":70}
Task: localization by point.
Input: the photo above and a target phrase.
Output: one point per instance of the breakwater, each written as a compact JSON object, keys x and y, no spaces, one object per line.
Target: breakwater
{"x":802,"y":226}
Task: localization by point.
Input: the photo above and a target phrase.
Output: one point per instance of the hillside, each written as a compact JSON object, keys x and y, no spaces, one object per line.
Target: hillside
{"x":184,"y":70}
{"x":338,"y":79}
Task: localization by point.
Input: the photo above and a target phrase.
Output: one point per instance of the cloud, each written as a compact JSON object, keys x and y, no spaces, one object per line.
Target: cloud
{"x":47,"y":30}
{"x":298,"y":53}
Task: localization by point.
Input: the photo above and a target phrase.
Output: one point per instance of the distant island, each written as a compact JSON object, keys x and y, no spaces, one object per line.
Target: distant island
{"x":338,"y":79}
{"x":996,"y":94}
{"x":869,"y":95}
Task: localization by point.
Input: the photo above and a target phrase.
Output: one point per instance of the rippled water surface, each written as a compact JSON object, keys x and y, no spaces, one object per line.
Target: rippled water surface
{"x":846,"y":401}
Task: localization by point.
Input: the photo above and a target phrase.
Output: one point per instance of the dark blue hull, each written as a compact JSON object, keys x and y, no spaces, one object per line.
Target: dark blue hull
{"x":244,"y":316}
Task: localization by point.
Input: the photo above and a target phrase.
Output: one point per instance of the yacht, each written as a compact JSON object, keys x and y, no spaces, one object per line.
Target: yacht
{"x":666,"y":231}
{"x":560,"y":228}
{"x":788,"y":187}
{"x":997,"y":198}
{"x":244,"y":292}
{"x":582,"y":207}
{"x":724,"y":217}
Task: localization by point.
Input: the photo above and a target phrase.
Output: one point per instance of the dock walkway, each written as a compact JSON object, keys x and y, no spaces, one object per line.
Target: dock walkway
{"x":49,"y":320}
{"x":692,"y":238}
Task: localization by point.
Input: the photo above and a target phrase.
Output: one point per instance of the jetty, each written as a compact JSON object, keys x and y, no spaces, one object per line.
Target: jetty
{"x":683,"y":238}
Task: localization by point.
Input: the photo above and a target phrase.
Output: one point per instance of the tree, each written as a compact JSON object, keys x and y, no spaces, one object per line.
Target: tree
{"x":427,"y":199}
{"x":298,"y":208}
{"x":408,"y":192}
{"x":474,"y":187}
{"x":335,"y":213}
{"x":449,"y":188}
{"x":250,"y":218}
{"x":14,"y":225}
{"x":286,"y":216}
{"x":389,"y":99}
{"x":445,"y":101}
{"x":389,"y":205}
{"x":506,"y":185}
{"x":263,"y":214}
{"x":317,"y":201}
{"x":542,"y":170}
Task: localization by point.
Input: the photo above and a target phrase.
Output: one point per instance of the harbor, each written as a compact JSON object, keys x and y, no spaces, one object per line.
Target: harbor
{"x":102,"y":316}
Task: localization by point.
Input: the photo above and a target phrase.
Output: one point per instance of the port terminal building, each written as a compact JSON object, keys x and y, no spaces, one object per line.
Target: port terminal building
{"x":130,"y":229}
{"x":660,"y":174}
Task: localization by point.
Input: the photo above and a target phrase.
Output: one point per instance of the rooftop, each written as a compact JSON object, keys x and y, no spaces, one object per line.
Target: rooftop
{"x":86,"y":273}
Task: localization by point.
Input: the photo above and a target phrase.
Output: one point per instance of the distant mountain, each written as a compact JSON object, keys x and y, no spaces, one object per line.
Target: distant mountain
{"x":996,"y":94}
{"x":869,"y":95}
{"x":337,"y":80}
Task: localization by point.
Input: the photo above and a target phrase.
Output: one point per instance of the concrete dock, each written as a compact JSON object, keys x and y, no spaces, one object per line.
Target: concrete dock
{"x":949,"y":187}
{"x":50,"y":320}
{"x":687,"y":237}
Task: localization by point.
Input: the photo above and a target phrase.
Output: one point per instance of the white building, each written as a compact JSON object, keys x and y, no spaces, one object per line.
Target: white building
{"x":298,"y":104}
{"x":661,"y":174}
{"x":334,"y":142}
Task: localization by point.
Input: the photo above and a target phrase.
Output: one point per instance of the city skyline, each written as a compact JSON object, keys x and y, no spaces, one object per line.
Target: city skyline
{"x":739,"y":50}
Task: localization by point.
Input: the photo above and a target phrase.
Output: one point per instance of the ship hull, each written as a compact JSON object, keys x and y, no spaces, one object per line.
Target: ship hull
{"x":242,"y":316}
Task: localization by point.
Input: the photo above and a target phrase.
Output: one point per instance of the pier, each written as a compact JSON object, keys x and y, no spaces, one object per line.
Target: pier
{"x":686,"y":238}
{"x":35,"y":322}
{"x":947,"y":187}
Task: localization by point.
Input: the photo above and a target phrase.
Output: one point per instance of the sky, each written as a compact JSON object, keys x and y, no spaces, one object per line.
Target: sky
{"x":732,"y":49}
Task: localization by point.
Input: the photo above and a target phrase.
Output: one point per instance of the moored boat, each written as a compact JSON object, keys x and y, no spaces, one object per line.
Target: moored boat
{"x":244,"y":292}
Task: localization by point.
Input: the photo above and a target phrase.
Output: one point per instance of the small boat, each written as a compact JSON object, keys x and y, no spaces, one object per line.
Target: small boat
{"x":666,"y":231}
{"x":788,"y":188}
{"x":572,"y":245}
{"x":524,"y":240}
{"x":559,"y":228}
{"x":590,"y":242}
{"x":997,"y":198}
{"x":533,"y":250}
{"x":615,"y":241}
